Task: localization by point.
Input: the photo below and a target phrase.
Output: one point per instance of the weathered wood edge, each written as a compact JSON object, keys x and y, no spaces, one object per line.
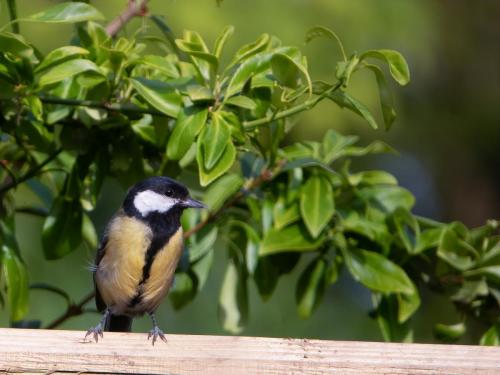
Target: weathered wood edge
{"x":51,"y":351}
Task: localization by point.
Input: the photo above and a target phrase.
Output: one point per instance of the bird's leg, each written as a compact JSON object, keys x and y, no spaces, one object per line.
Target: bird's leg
{"x":98,"y":329}
{"x":156,"y":331}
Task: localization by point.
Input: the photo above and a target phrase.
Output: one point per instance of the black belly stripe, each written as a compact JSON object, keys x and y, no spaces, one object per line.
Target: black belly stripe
{"x":163,"y":228}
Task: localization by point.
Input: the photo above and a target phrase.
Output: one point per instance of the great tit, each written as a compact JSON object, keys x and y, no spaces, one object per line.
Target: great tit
{"x":135,"y":263}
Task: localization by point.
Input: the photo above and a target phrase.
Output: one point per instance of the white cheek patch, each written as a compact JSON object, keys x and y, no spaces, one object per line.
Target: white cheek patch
{"x":149,"y":201}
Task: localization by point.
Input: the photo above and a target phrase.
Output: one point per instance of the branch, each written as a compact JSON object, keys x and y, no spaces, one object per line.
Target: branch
{"x":31,"y":173}
{"x":72,"y":310}
{"x":135,"y":8}
{"x":125,"y":108}
{"x":307,"y":105}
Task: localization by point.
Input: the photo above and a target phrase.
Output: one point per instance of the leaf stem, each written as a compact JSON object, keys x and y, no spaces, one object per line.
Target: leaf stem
{"x":11,"y":4}
{"x":307,"y":105}
{"x":30,"y":174}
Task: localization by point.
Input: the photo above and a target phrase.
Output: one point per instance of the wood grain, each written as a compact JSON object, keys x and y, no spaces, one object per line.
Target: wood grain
{"x":50,"y":351}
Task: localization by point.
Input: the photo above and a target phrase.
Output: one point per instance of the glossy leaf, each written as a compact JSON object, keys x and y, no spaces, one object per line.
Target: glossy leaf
{"x":69,"y":12}
{"x":310,"y":288}
{"x":15,"y":44}
{"x":451,"y":332}
{"x":251,"y":49}
{"x":233,"y":299}
{"x":189,"y":123}
{"x":242,"y":102}
{"x":385,"y":95}
{"x":159,"y":95}
{"x":221,"y":190}
{"x":287,"y":70}
{"x":207,"y":176}
{"x":15,"y":273}
{"x":408,"y":304}
{"x":377,"y":272}
{"x":68,"y":69}
{"x":222,"y":39}
{"x":397,"y":63}
{"x":320,"y":31}
{"x":316,"y":204}
{"x":292,"y":238}
{"x":491,"y":337}
{"x":59,"y":55}
{"x":455,"y":251}
{"x":214,"y":139}
{"x":344,"y":100}
{"x":161,"y":64}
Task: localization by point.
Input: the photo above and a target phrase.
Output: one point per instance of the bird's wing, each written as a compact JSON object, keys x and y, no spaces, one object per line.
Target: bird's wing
{"x":101,"y":306}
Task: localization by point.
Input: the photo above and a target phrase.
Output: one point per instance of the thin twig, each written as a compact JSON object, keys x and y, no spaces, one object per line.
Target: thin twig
{"x":135,"y":8}
{"x":72,"y":310}
{"x":31,"y":173}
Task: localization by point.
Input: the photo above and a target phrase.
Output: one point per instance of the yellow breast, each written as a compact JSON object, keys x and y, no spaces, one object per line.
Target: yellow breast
{"x":120,"y":270}
{"x":162,"y":272}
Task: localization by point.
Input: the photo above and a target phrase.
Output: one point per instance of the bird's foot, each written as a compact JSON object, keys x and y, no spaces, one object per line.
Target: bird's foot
{"x":95,"y":332}
{"x":155,"y":333}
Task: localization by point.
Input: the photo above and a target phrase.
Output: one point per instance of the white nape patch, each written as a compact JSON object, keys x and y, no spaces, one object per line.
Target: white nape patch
{"x":148,"y":201}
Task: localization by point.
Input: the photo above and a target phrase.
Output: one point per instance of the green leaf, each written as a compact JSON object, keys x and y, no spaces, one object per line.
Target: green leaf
{"x":202,"y":246}
{"x":159,"y":95}
{"x":344,"y":100}
{"x":320,"y":31}
{"x":387,"y":313}
{"x":16,"y":275}
{"x":310,"y":288}
{"x":60,"y":55}
{"x":198,"y":94}
{"x":397,"y":63}
{"x":15,"y":44}
{"x":306,"y":163}
{"x":455,"y":251}
{"x":67,"y":69}
{"x":62,"y":229}
{"x":285,"y":214}
{"x":251,"y":49}
{"x":492,"y":273}
{"x":386,"y":99}
{"x":214,"y":139}
{"x":287,"y":71}
{"x":408,"y":304}
{"x":222,"y":190}
{"x":316,"y":204}
{"x":242,"y":102}
{"x":70,"y":12}
{"x":334,"y":144}
{"x":207,"y":176}
{"x":491,"y":337}
{"x":407,"y":228}
{"x":372,"y":178}
{"x":470,"y":290}
{"x":222,"y":39}
{"x":292,"y":238}
{"x":189,"y":123}
{"x":159,"y":63}
{"x":451,"y":332}
{"x":233,"y":299}
{"x":183,"y":290}
{"x":428,"y":239}
{"x":89,"y":234}
{"x":252,"y":245}
{"x":388,"y":197}
{"x":377,"y":272}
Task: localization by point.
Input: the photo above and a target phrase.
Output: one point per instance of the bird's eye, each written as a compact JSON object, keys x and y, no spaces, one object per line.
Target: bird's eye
{"x":169,"y":192}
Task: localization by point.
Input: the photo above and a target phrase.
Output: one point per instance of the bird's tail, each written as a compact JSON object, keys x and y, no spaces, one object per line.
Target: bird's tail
{"x":118,"y":323}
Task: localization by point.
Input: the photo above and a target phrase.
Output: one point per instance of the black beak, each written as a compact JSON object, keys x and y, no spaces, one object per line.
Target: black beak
{"x":192,"y":203}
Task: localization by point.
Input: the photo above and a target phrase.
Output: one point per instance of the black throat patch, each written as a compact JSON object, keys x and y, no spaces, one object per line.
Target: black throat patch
{"x":163,"y":226}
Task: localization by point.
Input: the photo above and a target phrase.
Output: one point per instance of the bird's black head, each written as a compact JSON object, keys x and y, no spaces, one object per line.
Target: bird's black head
{"x":157,"y":196}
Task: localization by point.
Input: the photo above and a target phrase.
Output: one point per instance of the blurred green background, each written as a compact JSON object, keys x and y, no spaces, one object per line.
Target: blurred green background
{"x":447,"y":133}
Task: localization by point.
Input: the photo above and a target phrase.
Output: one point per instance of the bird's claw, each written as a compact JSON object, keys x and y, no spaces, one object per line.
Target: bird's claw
{"x":96,"y":332}
{"x":155,"y":333}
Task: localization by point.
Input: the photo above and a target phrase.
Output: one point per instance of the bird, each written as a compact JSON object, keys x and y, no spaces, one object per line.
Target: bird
{"x":138,"y":254}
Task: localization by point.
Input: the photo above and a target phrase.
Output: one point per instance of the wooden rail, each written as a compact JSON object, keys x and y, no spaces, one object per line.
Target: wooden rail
{"x":54,"y":352}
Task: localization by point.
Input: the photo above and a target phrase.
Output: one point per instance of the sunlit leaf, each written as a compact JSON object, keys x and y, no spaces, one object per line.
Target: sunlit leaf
{"x":451,"y":332}
{"x":207,"y":176}
{"x":189,"y":123}
{"x":214,"y":139}
{"x":316,"y":204}
{"x":377,"y":272}
{"x":69,"y":12}
{"x":222,"y":39}
{"x":344,"y":100}
{"x":221,"y":190}
{"x":161,"y":96}
{"x":68,"y":69}
{"x":397,"y":63}
{"x":292,"y":238}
